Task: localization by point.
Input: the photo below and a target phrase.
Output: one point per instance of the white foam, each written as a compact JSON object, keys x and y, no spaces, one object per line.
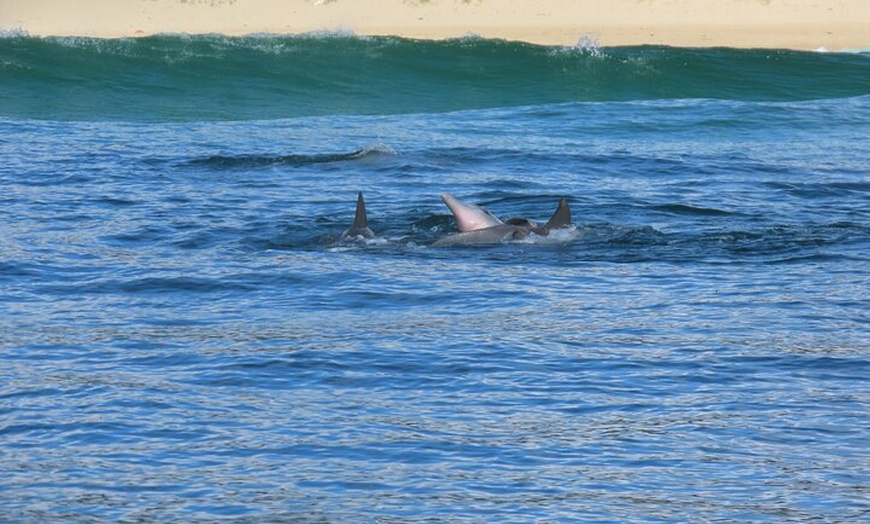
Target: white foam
{"x":556,"y":237}
{"x":14,"y":33}
{"x":585,"y":46}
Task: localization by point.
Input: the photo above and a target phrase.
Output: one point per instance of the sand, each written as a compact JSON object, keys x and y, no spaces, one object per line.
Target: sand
{"x":795,"y":24}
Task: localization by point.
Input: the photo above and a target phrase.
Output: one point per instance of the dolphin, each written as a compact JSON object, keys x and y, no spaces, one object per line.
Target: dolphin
{"x":469,"y":217}
{"x":360,"y":226}
{"x":478,"y":226}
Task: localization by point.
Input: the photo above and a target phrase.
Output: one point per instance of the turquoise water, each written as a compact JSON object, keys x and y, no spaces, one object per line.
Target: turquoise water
{"x":209,"y":78}
{"x":182,"y":339}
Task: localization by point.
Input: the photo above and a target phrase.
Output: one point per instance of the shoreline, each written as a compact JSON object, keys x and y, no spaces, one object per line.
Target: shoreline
{"x":775,"y":24}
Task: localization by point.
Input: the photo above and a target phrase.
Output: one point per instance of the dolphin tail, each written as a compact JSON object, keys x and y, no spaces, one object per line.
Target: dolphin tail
{"x":469,"y":217}
{"x":561,"y":218}
{"x":360,"y":226}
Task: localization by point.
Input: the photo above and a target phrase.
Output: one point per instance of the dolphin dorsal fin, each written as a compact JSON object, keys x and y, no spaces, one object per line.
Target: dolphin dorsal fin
{"x":469,"y":217}
{"x":360,"y":219}
{"x":360,"y":226}
{"x":562,"y":216}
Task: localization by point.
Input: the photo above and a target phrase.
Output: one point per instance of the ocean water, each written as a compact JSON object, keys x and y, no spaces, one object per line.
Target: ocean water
{"x":183,"y":339}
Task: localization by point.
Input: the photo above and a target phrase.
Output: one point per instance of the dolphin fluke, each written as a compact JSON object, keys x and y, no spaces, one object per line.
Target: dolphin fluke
{"x":360,"y":226}
{"x":561,"y":218}
{"x":469,"y":217}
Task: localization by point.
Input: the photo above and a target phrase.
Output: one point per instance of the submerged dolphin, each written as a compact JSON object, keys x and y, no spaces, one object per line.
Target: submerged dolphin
{"x":478,"y":226}
{"x":360,"y":226}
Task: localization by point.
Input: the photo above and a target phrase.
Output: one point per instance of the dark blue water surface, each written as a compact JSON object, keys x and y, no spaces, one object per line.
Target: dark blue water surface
{"x":182,"y":339}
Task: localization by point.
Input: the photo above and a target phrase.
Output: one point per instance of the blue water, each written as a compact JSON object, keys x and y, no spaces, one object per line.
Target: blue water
{"x":182,"y":339}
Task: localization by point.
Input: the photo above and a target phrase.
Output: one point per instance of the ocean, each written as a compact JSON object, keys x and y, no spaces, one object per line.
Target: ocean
{"x":185,"y":338}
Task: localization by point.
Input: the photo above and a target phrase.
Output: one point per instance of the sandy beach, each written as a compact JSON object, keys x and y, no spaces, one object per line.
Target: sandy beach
{"x":794,"y":24}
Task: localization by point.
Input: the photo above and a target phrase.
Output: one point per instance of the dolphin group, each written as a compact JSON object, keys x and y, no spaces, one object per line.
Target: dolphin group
{"x":476,"y":225}
{"x":479,"y":226}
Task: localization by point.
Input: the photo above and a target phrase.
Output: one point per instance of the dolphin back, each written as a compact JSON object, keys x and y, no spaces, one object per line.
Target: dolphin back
{"x":488,"y":235}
